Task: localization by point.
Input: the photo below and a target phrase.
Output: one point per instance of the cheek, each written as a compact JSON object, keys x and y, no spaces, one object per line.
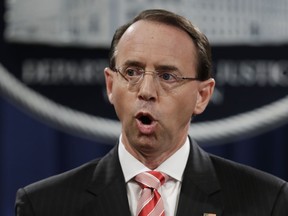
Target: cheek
{"x":121,"y":103}
{"x":118,"y":106}
{"x":179,"y":111}
{"x":187,"y":110}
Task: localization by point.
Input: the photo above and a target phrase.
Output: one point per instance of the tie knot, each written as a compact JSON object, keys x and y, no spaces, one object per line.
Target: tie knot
{"x":151,"y":179}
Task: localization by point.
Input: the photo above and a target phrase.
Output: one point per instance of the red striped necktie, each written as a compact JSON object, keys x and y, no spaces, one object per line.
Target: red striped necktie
{"x":150,"y":202}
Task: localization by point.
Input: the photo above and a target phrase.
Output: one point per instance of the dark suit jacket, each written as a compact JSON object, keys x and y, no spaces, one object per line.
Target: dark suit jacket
{"x":210,"y":185}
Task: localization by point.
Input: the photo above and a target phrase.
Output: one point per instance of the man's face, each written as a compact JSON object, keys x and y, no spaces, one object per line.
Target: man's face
{"x":155,"y":123}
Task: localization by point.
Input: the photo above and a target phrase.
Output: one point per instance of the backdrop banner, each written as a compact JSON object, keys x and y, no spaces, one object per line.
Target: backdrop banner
{"x":54,"y":113}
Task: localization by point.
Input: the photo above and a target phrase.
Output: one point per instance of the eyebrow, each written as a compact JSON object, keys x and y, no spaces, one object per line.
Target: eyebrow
{"x":157,"y":67}
{"x":133,"y":63}
{"x":167,"y":68}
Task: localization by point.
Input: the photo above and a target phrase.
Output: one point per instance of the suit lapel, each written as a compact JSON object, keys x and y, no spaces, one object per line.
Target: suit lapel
{"x":108,"y":187}
{"x":200,"y":190}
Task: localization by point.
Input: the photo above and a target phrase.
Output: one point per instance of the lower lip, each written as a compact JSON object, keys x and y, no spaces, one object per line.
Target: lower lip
{"x":146,"y":129}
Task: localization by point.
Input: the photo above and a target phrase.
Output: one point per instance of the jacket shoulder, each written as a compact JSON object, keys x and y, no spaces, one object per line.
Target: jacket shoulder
{"x":246,"y":189}
{"x":77,"y":176}
{"x":243,"y":174}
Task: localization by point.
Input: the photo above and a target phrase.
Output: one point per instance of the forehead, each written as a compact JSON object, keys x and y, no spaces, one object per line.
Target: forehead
{"x":156,"y":43}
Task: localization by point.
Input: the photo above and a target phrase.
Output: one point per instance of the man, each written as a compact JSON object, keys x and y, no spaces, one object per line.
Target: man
{"x":159,"y":77}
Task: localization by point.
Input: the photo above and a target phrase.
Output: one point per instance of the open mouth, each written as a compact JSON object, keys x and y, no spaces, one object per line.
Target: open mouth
{"x":146,"y":123}
{"x":145,"y":119}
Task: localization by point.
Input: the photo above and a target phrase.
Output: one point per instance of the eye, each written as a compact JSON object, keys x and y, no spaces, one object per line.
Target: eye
{"x":170,"y":77}
{"x":133,"y":71}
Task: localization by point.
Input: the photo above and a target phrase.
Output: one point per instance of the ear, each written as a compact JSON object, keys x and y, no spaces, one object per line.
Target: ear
{"x":205,"y":91}
{"x":109,"y":83}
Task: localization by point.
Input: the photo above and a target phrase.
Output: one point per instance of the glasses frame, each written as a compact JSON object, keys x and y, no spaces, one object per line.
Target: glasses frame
{"x":143,"y":72}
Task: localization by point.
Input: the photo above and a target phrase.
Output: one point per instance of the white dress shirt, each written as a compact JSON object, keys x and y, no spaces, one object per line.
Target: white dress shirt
{"x":174,"y":167}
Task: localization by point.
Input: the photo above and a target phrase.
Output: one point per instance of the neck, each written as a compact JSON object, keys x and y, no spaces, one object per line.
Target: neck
{"x":151,"y":161}
{"x":150,"y":157}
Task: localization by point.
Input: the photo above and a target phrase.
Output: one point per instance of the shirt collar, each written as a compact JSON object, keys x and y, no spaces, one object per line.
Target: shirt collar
{"x":131,"y":166}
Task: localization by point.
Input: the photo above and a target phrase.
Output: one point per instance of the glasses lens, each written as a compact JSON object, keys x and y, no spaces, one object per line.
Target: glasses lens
{"x":166,"y":83}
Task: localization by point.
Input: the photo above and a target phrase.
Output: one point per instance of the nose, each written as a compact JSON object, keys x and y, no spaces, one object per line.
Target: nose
{"x":148,"y":90}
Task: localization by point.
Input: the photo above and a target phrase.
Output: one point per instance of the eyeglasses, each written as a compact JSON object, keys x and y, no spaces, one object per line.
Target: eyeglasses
{"x":167,"y":79}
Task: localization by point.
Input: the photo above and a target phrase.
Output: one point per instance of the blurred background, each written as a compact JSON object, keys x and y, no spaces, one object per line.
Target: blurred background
{"x":54,"y":113}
